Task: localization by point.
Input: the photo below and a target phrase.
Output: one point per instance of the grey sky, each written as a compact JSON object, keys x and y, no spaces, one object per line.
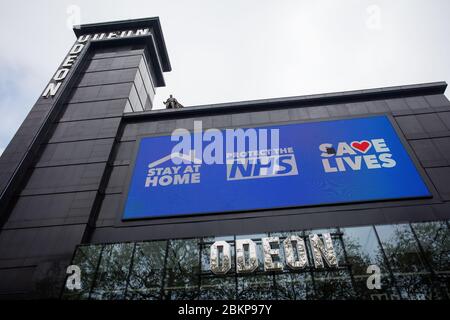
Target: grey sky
{"x":233,"y":50}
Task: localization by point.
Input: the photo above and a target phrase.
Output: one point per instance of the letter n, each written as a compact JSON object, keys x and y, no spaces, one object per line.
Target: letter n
{"x":323,"y":250}
{"x":51,"y":89}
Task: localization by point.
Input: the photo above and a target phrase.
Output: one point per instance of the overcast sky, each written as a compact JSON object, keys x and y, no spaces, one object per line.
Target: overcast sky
{"x":234,"y":50}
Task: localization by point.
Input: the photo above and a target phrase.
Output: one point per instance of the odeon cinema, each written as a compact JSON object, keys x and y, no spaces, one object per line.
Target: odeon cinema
{"x":331,"y":196}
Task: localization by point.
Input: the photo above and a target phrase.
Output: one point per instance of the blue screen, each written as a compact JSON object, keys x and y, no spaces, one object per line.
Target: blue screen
{"x":315,"y":163}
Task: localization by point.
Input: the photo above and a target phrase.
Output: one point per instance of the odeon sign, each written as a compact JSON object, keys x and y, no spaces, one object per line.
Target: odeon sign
{"x":56,"y":82}
{"x":295,"y":253}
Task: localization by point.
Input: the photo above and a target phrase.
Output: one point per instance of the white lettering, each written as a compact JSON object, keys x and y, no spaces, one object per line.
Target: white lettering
{"x":60,"y":74}
{"x":69,"y":61}
{"x":51,"y":89}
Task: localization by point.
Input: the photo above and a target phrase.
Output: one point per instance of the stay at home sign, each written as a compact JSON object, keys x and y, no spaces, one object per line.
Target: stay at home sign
{"x":305,"y":164}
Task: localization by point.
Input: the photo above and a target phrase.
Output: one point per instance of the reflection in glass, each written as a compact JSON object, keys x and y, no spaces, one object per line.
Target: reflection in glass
{"x":86,"y":257}
{"x":434,"y":238}
{"x":147,"y":272}
{"x":215,"y":287}
{"x":182,"y":270}
{"x":412,"y":277}
{"x":294,"y":286}
{"x":218,"y":287}
{"x":256,"y":287}
{"x":413,"y":260}
{"x":333,"y":285}
{"x":113,"y":271}
{"x":363,"y":250}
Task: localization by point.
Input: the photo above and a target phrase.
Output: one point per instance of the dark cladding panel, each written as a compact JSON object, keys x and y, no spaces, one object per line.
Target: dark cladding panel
{"x":302,"y":114}
{"x":84,"y":130}
{"x":77,"y":152}
{"x":221,"y":121}
{"x":357,"y":108}
{"x":275,"y":116}
{"x":70,"y":178}
{"x":399,"y":214}
{"x":116,"y":180}
{"x":51,"y":209}
{"x":443,"y":145}
{"x":133,"y":130}
{"x":94,"y":110}
{"x":145,"y":96}
{"x":121,"y":51}
{"x":114,"y":63}
{"x":398,"y":106}
{"x":441,"y":180}
{"x":221,"y":226}
{"x":259,"y":117}
{"x":445,"y":117}
{"x":339,"y":110}
{"x":15,"y":282}
{"x":433,"y":125}
{"x":21,"y":142}
{"x":146,"y":78}
{"x":427,"y":152}
{"x":21,"y":247}
{"x":109,"y":210}
{"x":103,"y":92}
{"x":438,"y":102}
{"x":107,"y":77}
{"x":317,"y":112}
{"x":124,"y":152}
{"x":240,"y":119}
{"x":411,"y":127}
{"x":377,"y":106}
{"x":418,"y":104}
{"x":135,"y":101}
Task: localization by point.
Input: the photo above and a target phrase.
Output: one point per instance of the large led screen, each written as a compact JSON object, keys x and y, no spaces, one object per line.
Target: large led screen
{"x":305,"y":164}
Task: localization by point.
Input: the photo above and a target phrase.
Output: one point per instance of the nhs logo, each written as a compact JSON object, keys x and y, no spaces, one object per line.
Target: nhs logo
{"x":268,"y":163}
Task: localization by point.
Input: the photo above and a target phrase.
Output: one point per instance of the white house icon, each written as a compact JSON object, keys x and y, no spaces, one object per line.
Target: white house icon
{"x":190,"y":157}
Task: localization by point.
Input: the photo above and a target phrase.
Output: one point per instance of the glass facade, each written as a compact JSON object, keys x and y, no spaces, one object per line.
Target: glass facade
{"x":413,"y":259}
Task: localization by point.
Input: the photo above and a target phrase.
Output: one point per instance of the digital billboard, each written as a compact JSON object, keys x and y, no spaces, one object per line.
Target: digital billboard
{"x":312,"y":163}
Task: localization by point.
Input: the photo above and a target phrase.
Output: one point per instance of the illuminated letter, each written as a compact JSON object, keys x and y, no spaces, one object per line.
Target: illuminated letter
{"x":51,"y":89}
{"x":76,"y":48}
{"x":242,"y":265}
{"x":289,"y":252}
{"x":69,"y":61}
{"x":60,"y":74}
{"x":321,"y":250}
{"x":84,"y":38}
{"x":270,"y":254}
{"x":225,"y":266}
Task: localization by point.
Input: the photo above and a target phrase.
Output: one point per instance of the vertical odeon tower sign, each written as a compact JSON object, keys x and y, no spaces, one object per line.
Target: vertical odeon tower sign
{"x":61,"y":74}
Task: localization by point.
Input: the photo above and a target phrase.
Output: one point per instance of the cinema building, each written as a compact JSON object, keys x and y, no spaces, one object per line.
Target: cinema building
{"x":357,"y":188}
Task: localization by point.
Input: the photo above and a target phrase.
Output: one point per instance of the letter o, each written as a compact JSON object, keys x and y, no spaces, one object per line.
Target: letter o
{"x":214,"y":257}
{"x":165,"y":180}
{"x":60,"y":74}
